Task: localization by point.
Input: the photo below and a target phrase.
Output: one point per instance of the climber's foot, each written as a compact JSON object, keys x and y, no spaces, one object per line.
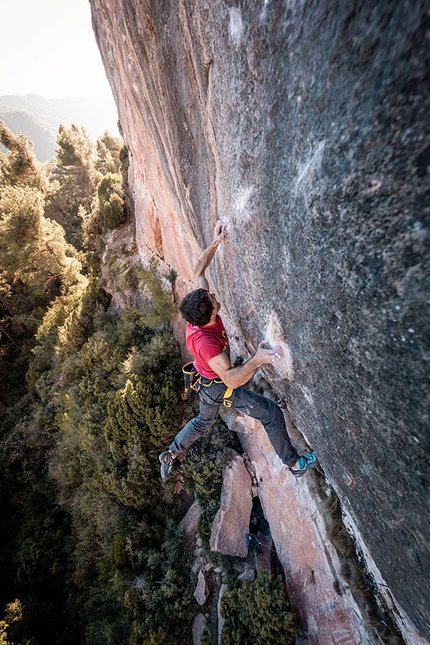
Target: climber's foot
{"x":303,"y":464}
{"x":167,"y":460}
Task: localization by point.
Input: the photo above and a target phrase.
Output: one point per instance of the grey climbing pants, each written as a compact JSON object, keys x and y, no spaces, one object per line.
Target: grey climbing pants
{"x":247,"y":402}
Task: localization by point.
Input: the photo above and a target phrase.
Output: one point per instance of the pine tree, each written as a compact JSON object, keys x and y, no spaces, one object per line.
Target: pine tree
{"x":162,"y":309}
{"x":111,"y":201}
{"x":83,"y":521}
{"x":257,"y":613}
{"x":19,"y":166}
{"x":142,"y":418}
{"x":36,"y":264}
{"x":73,"y":179}
{"x":109,"y":151}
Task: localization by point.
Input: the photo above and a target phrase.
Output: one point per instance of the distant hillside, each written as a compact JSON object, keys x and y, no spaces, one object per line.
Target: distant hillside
{"x":42,"y":134}
{"x":38,"y":118}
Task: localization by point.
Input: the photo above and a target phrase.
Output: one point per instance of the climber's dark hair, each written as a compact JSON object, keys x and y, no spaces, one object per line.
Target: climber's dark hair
{"x":197,"y":307}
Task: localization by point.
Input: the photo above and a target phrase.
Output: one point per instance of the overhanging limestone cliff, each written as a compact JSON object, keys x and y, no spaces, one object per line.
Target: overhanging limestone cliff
{"x":305,"y":124}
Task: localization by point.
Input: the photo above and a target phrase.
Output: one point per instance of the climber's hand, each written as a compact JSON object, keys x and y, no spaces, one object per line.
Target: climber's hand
{"x":266,"y":354}
{"x":220,"y":230}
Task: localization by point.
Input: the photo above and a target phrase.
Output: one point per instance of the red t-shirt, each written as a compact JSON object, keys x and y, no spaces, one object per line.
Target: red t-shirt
{"x":205,"y":343}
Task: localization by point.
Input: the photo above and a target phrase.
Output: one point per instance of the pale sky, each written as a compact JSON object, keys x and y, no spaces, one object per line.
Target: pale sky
{"x":48,"y":47}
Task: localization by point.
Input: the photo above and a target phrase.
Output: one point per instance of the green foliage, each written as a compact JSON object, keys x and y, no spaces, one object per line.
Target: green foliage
{"x":95,"y":487}
{"x":33,"y":249}
{"x":79,"y":528}
{"x":206,"y":480}
{"x":206,"y":520}
{"x":145,"y":409}
{"x":3,"y":633}
{"x":257,"y":613}
{"x":74,"y":147}
{"x":10,"y":626}
{"x":125,"y":161}
{"x":73,"y":182}
{"x":19,"y":166}
{"x":142,"y":418}
{"x":159,"y":637}
{"x":165,"y":585}
{"x":36,"y":264}
{"x":161,"y":309}
{"x":207,"y":639}
{"x":111,"y":201}
{"x":171,"y":277}
{"x":109,"y":154}
{"x":34,"y":534}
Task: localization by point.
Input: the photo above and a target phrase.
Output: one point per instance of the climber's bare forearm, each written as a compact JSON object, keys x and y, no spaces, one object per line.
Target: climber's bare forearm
{"x":233,"y":376}
{"x":236,"y":376}
{"x":206,"y":257}
{"x":202,"y":264}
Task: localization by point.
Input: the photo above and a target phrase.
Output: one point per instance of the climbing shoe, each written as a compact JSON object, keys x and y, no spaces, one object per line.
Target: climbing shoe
{"x":167,"y":462}
{"x":304,"y":463}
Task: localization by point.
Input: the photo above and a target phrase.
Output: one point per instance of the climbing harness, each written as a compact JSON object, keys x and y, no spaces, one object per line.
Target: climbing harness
{"x":208,"y":383}
{"x":193,"y":381}
{"x":226,"y":399}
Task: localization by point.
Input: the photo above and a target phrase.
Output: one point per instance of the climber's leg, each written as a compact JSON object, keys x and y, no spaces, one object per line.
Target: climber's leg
{"x":271,"y":416}
{"x":192,"y":431}
{"x":194,"y":428}
{"x":210,"y":400}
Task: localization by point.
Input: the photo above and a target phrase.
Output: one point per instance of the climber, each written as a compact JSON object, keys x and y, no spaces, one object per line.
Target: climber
{"x":222,"y":383}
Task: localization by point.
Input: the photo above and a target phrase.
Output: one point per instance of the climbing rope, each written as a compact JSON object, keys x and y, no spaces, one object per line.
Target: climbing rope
{"x":252,"y":540}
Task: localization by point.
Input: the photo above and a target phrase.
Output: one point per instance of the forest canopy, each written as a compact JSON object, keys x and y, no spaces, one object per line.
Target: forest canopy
{"x":92,"y":550}
{"x":81,"y":423}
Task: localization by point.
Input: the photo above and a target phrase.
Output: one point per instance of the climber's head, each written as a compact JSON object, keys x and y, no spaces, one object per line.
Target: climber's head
{"x":199,"y":306}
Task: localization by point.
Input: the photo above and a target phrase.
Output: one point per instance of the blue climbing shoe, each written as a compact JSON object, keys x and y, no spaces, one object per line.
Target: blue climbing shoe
{"x":167,"y":461}
{"x":304,"y":463}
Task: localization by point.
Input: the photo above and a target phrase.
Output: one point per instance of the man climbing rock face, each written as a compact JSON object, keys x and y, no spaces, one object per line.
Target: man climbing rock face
{"x":220,"y":382}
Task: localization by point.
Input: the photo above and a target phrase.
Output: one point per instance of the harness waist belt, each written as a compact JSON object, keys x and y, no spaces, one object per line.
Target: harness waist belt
{"x":206,"y":382}
{"x":227,"y":394}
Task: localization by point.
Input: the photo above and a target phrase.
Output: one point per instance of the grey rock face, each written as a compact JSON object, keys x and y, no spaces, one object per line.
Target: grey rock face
{"x":201,"y":590}
{"x":190,"y":521}
{"x":221,"y":620}
{"x":198,"y":629}
{"x":306,"y":124}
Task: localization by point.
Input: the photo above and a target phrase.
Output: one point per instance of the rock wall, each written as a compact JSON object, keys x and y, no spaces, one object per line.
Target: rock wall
{"x":306,"y":125}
